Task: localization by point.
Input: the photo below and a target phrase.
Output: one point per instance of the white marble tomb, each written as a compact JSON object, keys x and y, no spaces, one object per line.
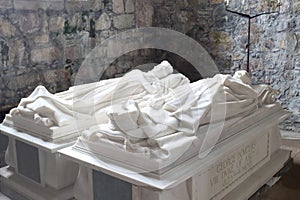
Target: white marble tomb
{"x":235,"y":169}
{"x":152,"y":135}
{"x":191,"y":161}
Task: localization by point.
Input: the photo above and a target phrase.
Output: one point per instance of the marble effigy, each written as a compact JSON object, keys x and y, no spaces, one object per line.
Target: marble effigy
{"x":54,"y":116}
{"x":155,"y":115}
{"x":154,"y":118}
{"x":154,"y":125}
{"x":160,"y":137}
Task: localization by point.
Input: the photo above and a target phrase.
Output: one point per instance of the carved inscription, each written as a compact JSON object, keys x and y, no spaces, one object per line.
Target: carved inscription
{"x":233,"y":168}
{"x":233,"y":165}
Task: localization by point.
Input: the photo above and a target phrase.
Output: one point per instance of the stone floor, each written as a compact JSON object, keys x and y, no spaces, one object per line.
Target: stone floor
{"x":288,"y":188}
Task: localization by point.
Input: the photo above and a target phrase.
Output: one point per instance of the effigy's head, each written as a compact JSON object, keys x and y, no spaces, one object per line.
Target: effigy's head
{"x":243,"y":75}
{"x":162,"y":70}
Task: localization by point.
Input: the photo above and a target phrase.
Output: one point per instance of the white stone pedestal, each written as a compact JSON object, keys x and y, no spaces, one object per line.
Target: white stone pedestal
{"x":35,"y":169}
{"x":235,"y":169}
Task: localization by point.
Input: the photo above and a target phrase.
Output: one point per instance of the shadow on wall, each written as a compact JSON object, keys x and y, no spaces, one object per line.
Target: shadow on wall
{"x":183,"y":66}
{"x":3,"y":140}
{"x":146,"y":59}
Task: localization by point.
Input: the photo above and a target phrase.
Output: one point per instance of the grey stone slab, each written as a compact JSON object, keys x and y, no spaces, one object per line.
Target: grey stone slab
{"x":36,"y":4}
{"x":3,"y":142}
{"x":28,"y":161}
{"x":3,"y":146}
{"x":107,"y":187}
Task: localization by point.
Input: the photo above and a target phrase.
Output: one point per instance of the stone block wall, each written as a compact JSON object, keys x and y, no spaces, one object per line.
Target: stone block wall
{"x":274,"y":52}
{"x":274,"y":45}
{"x":45,"y":42}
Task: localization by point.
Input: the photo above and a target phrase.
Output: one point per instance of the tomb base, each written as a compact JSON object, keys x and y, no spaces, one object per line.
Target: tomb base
{"x":16,"y":186}
{"x":261,"y":177}
{"x":35,"y":171}
{"x":243,"y":191}
{"x":235,"y":169}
